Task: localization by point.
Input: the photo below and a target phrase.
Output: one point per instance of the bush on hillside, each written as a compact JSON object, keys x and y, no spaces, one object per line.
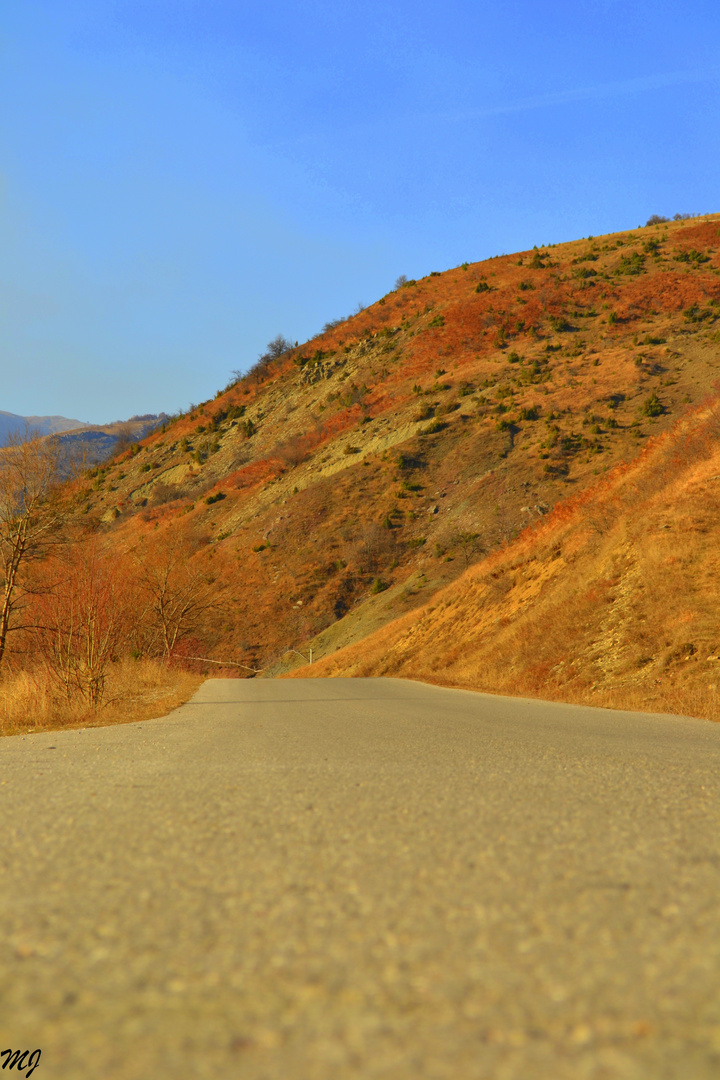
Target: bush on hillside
{"x":653,"y":406}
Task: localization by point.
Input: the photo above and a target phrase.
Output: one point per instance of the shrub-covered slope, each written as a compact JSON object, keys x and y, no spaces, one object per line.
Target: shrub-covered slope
{"x":342,"y":484}
{"x":613,"y":599}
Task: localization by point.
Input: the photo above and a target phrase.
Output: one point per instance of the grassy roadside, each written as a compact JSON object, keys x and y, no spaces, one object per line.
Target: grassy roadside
{"x":135,"y":690}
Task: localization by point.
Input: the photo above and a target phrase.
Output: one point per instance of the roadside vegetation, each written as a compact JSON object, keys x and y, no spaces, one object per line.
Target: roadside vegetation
{"x":88,"y":633}
{"x":348,"y":482}
{"x":31,"y":699}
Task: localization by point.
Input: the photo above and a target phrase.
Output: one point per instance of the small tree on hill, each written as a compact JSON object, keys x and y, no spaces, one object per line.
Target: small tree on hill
{"x":468,"y":543}
{"x":261,"y":368}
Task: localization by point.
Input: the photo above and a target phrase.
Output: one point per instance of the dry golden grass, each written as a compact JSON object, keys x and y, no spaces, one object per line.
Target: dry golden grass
{"x":612,"y":601}
{"x":135,"y":690}
{"x":288,"y":521}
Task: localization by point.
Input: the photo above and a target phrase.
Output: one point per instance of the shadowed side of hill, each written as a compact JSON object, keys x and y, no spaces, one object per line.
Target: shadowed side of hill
{"x":612,"y":600}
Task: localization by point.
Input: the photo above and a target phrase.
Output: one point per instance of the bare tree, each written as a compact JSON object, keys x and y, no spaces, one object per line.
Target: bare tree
{"x":81,"y":622}
{"x":277,"y":347}
{"x":177,"y":594}
{"x":293,"y":451}
{"x":124,"y":438}
{"x":263,"y":365}
{"x":469,"y":543}
{"x":31,"y":518}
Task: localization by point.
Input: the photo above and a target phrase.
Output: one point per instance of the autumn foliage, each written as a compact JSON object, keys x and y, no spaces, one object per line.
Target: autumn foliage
{"x":463,"y":477}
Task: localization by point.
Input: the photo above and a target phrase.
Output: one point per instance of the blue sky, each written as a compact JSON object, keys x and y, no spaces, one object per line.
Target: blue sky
{"x":181,"y":180}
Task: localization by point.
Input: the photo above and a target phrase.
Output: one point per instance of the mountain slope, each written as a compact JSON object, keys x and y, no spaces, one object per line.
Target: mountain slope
{"x":12,"y":424}
{"x":342,"y":484}
{"x":613,"y":599}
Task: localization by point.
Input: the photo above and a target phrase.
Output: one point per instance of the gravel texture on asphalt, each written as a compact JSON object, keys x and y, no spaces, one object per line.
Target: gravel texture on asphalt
{"x":372,"y":878}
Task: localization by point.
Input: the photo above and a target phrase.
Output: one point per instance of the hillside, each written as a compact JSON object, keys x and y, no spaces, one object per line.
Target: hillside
{"x":612,"y":600}
{"x":342,"y":484}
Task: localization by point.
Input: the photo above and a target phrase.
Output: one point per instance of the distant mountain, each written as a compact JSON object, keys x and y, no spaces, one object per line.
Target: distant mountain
{"x":11,"y":424}
{"x":82,"y":444}
{"x":93,"y":443}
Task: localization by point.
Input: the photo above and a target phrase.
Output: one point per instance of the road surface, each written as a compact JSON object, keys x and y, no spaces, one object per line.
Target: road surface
{"x":331,"y":879}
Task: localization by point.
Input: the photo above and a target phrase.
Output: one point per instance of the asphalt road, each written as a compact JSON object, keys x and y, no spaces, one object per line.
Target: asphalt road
{"x":331,"y":879}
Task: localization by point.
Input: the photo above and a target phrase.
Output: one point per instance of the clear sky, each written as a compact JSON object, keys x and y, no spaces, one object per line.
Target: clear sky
{"x":181,"y":180}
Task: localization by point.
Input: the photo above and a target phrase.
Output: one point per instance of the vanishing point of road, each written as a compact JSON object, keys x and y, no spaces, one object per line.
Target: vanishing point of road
{"x":371,"y":878}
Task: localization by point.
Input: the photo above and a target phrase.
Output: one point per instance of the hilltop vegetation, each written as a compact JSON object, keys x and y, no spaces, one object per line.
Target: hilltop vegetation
{"x":345,"y":483}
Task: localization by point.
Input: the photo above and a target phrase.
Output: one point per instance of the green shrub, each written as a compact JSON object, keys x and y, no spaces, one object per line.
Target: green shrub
{"x":439,"y":320}
{"x":694,"y":314}
{"x":571,"y":443}
{"x":692,"y":256}
{"x":217,"y":497}
{"x":653,"y":406}
{"x":379,"y":586}
{"x":631,"y":264}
